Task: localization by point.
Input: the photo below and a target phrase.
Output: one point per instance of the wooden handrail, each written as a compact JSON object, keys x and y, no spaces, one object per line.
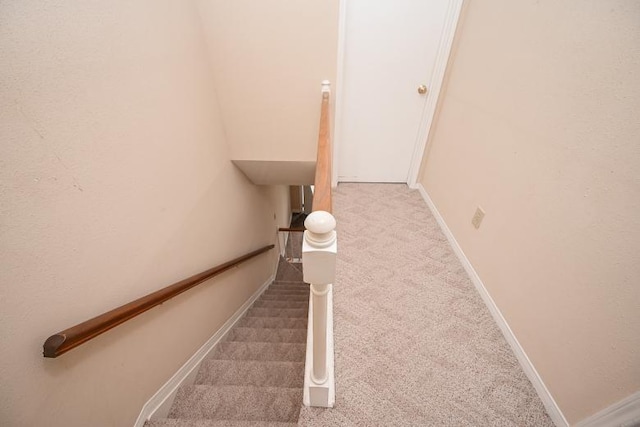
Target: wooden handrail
{"x":293,"y":229}
{"x":68,"y":339}
{"x":322,"y":184}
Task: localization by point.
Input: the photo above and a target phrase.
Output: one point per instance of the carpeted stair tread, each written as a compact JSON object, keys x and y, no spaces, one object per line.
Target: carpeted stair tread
{"x":277,"y":312}
{"x":172,"y":422}
{"x":235,"y":350}
{"x":273,"y":322}
{"x":297,"y":265}
{"x":237,"y":403}
{"x":291,"y":285}
{"x":276,"y":297}
{"x":285,"y":292}
{"x":289,"y":288}
{"x":251,"y":373}
{"x":267,"y":335}
{"x":289,"y":282}
{"x":280,"y":304}
{"x":287,"y":272}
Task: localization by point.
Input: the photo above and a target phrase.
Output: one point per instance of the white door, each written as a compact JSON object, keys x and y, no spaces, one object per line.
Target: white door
{"x":390,"y":49}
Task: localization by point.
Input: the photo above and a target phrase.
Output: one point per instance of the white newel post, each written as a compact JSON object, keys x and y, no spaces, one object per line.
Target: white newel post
{"x":319,"y":249}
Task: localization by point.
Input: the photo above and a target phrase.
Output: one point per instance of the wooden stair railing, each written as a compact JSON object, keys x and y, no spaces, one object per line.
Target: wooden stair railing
{"x":71,"y":338}
{"x":322,"y":183}
{"x":319,"y":249}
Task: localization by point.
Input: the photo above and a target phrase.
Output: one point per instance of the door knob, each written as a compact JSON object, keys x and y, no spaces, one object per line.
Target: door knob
{"x":422,"y":89}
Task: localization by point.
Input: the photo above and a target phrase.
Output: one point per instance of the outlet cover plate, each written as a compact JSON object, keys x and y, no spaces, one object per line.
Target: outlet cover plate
{"x":477,"y":217}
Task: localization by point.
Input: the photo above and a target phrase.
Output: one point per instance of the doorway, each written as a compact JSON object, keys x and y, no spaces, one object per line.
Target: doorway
{"x":391,"y":75}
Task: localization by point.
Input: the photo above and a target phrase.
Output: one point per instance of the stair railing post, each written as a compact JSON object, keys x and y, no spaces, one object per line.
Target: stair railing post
{"x":319,"y":250}
{"x":319,"y":295}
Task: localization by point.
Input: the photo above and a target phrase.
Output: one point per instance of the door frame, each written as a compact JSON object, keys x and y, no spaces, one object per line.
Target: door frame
{"x":435,"y":86}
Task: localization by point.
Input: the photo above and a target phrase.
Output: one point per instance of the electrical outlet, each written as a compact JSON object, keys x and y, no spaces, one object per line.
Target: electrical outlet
{"x":477,"y":217}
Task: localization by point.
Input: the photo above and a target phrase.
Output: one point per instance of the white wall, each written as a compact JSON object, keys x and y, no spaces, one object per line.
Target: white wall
{"x":538,"y":124}
{"x":269,"y":58}
{"x":115,"y":180}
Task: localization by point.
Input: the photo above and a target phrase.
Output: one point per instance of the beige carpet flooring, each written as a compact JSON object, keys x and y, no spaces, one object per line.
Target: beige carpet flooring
{"x":414,"y":343}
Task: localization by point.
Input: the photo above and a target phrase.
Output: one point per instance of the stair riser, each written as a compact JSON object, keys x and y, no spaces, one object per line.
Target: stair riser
{"x":295,"y":292}
{"x":277,"y":312}
{"x":267,"y":335}
{"x":272,"y":297}
{"x":287,"y":293}
{"x":281,"y":304}
{"x":283,"y":352}
{"x":273,"y":322}
{"x":237,"y":403}
{"x":251,"y":373}
{"x":295,"y":285}
{"x":298,"y":284}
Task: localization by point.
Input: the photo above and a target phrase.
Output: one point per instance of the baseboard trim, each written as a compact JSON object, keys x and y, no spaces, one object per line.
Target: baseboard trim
{"x":547,"y":399}
{"x":625,"y":413}
{"x":160,"y":403}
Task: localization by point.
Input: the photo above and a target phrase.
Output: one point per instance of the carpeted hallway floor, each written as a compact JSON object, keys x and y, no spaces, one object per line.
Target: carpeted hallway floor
{"x":414,"y":343}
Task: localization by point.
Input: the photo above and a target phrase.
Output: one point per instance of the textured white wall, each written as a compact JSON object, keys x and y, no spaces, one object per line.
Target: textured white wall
{"x":115,"y":180}
{"x":539,"y":125}
{"x":269,"y":58}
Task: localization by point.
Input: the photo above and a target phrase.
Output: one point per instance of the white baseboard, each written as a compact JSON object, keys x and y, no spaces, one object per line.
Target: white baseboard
{"x":625,"y":413}
{"x":549,"y":403}
{"x":160,"y":403}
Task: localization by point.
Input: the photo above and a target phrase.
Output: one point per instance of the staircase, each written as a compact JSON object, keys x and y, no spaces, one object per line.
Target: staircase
{"x":255,"y":376}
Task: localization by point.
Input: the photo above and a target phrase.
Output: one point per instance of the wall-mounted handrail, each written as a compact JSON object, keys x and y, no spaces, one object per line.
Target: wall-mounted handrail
{"x":292,"y":229}
{"x":71,"y":338}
